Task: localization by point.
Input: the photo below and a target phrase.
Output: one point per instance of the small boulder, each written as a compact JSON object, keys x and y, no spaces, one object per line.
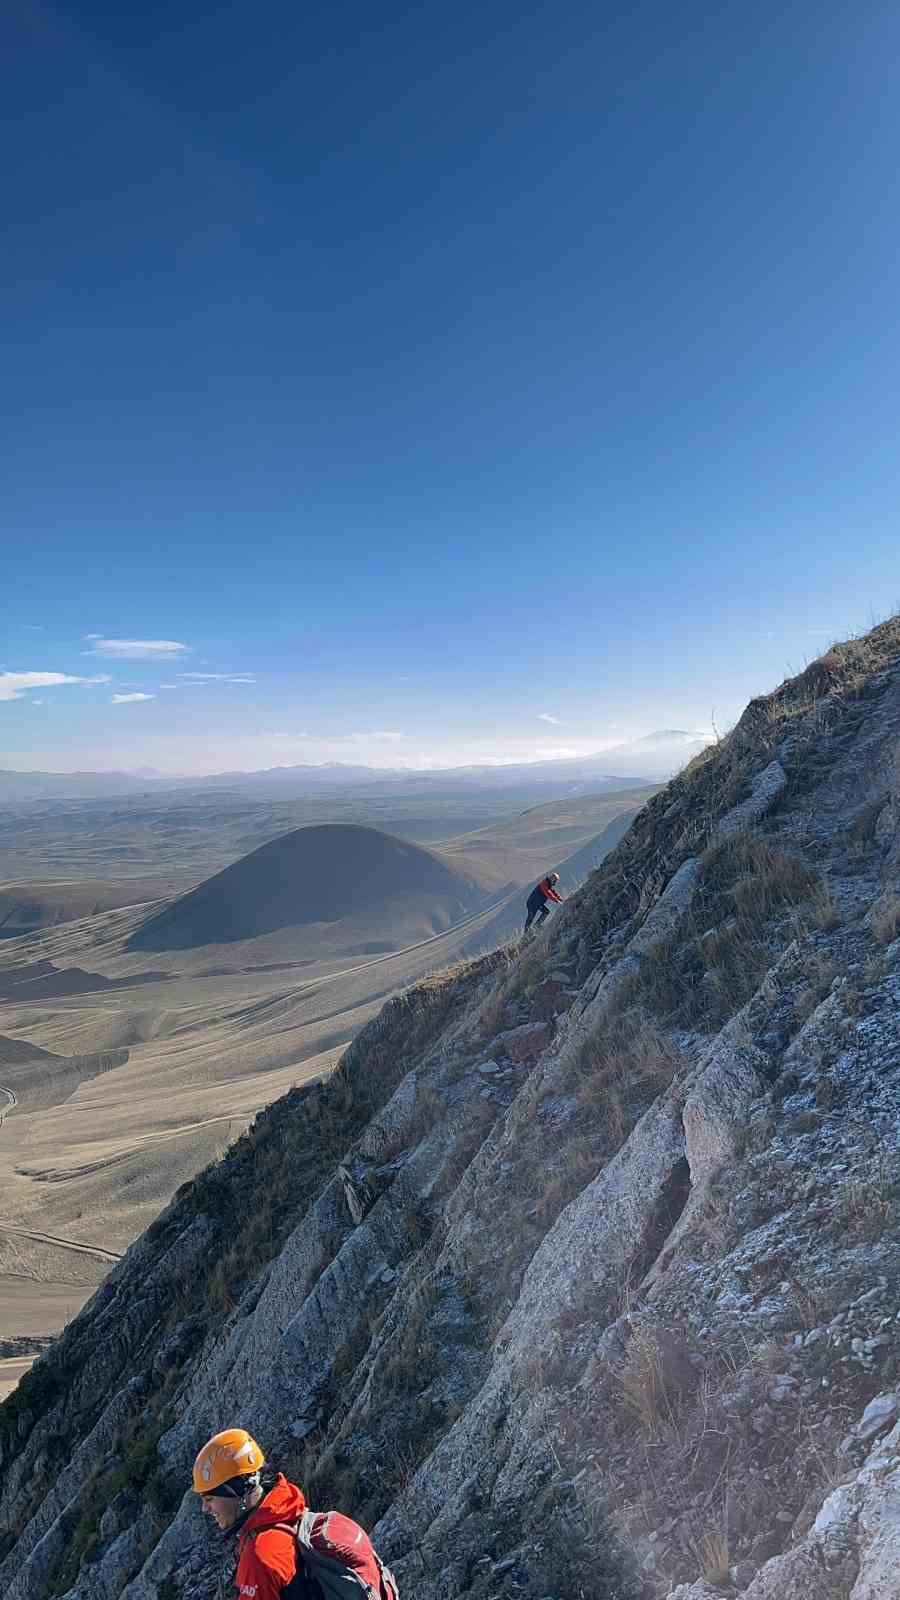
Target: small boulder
{"x":878,"y":1414}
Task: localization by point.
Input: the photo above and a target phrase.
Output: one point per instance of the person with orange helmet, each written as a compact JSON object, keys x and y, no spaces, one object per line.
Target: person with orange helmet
{"x":538,"y":902}
{"x":246,"y":1503}
{"x":275,"y":1530}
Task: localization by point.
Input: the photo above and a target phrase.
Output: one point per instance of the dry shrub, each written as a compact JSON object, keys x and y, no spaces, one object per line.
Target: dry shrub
{"x":491,"y":1010}
{"x":677,"y":821}
{"x":823,"y":912}
{"x":759,"y":879}
{"x":868,"y":1206}
{"x":521,"y":967}
{"x":756,"y":1135}
{"x":767,"y":1357}
{"x":846,"y":667}
{"x":818,"y":972}
{"x":813,"y":1301}
{"x":621,"y":1068}
{"x":828,"y":1094}
{"x":861,"y":833}
{"x":711,"y":1220}
{"x":711,"y":1551}
{"x":654,"y":1373}
{"x":716,"y":963}
{"x":874,"y":970}
{"x":885,"y":917}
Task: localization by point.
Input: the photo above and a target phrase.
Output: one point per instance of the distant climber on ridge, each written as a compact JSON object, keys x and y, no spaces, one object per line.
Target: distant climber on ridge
{"x":278,"y":1537}
{"x":538,"y":902}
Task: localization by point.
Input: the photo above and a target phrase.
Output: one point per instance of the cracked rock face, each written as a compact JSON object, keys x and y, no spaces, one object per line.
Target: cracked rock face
{"x":599,"y":1303}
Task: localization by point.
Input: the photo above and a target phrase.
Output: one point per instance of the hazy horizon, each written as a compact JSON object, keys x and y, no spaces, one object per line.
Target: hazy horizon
{"x":398,"y":765}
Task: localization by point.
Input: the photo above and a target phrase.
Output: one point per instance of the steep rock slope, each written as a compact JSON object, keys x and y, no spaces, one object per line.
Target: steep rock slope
{"x":580,"y":1278}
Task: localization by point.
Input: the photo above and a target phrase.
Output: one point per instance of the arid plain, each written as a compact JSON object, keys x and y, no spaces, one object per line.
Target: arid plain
{"x":180,"y":970}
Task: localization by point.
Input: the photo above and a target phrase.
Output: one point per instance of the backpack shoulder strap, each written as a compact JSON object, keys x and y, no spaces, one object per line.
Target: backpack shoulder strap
{"x":304,"y":1528}
{"x":389,"y":1590}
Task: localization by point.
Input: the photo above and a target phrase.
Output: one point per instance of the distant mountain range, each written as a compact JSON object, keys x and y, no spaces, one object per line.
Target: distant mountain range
{"x":649,"y":759}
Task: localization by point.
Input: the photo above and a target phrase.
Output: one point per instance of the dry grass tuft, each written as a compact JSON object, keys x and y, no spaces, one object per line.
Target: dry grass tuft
{"x":868,"y":1206}
{"x":758,"y":879}
{"x":885,"y":918}
{"x":707,"y":971}
{"x":623,"y":1067}
{"x":676,"y":823}
{"x":819,"y":972}
{"x":823,"y":912}
{"x":861,"y":833}
{"x":520,"y":967}
{"x":711,"y":1551}
{"x":654,"y":1373}
{"x":845,"y":668}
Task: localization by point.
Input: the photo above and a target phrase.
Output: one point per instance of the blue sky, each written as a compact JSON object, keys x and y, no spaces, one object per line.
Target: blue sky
{"x":438,"y":371}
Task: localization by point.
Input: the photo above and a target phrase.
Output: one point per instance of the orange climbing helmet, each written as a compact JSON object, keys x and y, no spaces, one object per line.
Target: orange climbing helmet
{"x":227,"y":1455}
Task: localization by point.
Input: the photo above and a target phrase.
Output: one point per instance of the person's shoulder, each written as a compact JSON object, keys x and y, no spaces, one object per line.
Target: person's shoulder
{"x":275,"y":1548}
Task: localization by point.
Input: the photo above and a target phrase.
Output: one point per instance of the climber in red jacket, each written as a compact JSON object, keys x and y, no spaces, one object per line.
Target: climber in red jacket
{"x":538,"y":902}
{"x":269,"y":1518}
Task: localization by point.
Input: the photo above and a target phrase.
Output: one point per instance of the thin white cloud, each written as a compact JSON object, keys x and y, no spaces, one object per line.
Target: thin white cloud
{"x":14,"y":684}
{"x":337,"y":741}
{"x":218,"y":677}
{"x":137,"y":649}
{"x":544,"y":716}
{"x":127,"y":699}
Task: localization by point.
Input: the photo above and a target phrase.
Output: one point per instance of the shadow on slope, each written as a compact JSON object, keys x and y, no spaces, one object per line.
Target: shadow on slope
{"x":319,"y":874}
{"x":41,"y":1078}
{"x":27,"y":907}
{"x":42,"y":980}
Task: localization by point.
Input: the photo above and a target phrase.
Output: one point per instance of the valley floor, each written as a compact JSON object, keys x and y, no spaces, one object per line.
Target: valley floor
{"x":168,"y":1072}
{"x":124,"y":1071}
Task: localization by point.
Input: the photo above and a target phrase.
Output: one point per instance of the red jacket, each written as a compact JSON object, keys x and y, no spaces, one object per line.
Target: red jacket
{"x":267,"y":1555}
{"x":267,"y":1558}
{"x":548,"y":891}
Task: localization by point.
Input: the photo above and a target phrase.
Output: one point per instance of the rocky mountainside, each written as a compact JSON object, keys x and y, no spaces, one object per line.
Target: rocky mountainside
{"x":580,"y":1278}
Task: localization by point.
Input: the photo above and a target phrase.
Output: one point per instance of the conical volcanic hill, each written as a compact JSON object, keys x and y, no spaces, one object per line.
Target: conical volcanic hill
{"x":316,"y":874}
{"x":580,"y":1277}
